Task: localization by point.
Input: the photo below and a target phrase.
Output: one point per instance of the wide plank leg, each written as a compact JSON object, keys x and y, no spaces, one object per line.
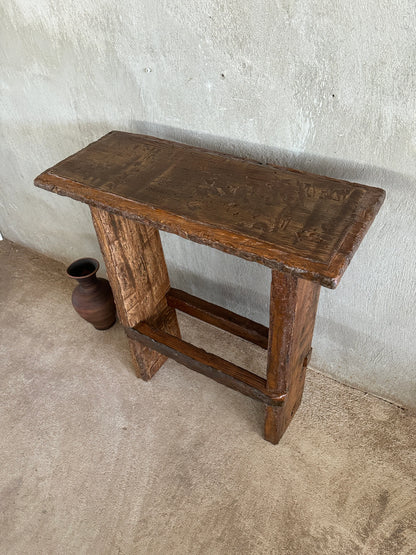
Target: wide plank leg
{"x":139,"y":279}
{"x":293,"y":305}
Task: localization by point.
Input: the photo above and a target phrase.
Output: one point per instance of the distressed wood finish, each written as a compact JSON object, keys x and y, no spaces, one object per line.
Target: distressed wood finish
{"x":219,"y":317}
{"x":210,"y":365}
{"x":139,"y":279}
{"x":293,"y":221}
{"x":135,"y":265}
{"x":304,"y":227}
{"x":147,"y":361}
{"x":293,"y":306}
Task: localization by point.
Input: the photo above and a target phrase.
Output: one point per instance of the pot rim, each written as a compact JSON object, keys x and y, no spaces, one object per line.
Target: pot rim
{"x":78,"y":263}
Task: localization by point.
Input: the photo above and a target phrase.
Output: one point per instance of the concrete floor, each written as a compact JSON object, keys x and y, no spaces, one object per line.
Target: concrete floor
{"x":93,"y":460}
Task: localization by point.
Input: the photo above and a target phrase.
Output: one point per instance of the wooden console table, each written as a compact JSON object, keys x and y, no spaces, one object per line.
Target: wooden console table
{"x":304,"y":227}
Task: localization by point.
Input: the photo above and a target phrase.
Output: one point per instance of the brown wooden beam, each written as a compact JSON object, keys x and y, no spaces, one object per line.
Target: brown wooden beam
{"x":210,"y":365}
{"x":219,"y":317}
{"x":139,"y":279}
{"x":293,"y":305}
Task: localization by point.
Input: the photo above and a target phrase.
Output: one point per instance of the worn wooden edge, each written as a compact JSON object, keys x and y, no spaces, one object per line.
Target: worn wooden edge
{"x":208,"y":364}
{"x":199,"y":233}
{"x":218,"y":316}
{"x":225,"y":240}
{"x":355,"y":235}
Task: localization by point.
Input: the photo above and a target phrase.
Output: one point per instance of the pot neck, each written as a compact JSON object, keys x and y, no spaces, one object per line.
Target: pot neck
{"x":86,"y":282}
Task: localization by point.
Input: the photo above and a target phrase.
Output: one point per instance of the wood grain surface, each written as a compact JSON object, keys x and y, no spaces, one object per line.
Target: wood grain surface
{"x":219,"y":317}
{"x":139,"y":279}
{"x":209,"y":364}
{"x":293,"y":306}
{"x":293,"y":221}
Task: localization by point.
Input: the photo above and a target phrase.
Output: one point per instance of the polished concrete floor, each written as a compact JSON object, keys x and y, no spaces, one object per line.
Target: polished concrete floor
{"x":95,"y":461}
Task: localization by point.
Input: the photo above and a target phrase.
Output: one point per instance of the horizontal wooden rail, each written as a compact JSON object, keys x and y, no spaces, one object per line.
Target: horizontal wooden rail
{"x":210,"y":365}
{"x":219,"y":317}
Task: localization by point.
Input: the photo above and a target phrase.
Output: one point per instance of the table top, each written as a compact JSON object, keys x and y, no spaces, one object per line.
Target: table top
{"x":289,"y":220}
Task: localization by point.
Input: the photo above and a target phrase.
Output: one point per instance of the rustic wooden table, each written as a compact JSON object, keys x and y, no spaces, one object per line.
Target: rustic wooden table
{"x":304,"y":227}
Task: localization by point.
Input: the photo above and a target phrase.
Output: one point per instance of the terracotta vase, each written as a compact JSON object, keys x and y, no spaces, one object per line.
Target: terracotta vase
{"x":92,"y":298}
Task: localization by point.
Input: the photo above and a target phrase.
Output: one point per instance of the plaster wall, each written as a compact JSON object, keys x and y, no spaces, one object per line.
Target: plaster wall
{"x":327,"y":86}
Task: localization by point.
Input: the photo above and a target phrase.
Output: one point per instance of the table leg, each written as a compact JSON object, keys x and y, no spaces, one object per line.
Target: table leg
{"x":293,"y":305}
{"x":138,"y":276}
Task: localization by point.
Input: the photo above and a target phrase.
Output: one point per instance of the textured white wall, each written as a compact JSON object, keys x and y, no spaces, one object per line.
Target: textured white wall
{"x":327,"y":86}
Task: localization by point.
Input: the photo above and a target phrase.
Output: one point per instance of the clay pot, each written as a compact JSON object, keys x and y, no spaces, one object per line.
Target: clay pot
{"x":92,"y":298}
